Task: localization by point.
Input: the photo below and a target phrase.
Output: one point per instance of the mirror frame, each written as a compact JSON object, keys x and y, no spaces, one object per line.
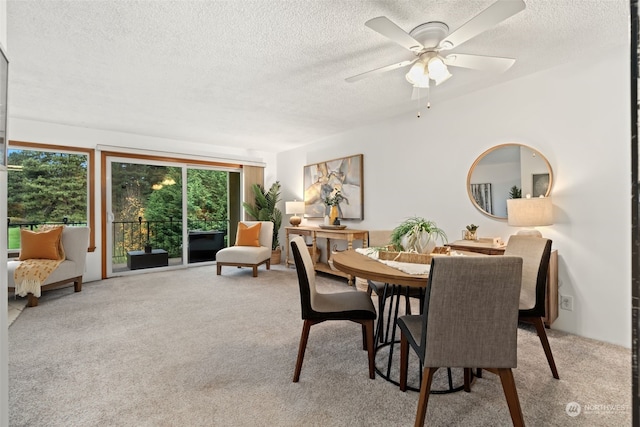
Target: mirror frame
{"x":495,"y":148}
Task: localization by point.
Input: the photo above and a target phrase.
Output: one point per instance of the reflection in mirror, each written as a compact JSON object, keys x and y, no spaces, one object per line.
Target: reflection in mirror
{"x":504,"y":172}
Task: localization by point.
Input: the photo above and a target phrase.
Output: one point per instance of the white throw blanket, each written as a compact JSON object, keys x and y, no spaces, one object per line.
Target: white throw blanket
{"x":32,"y":273}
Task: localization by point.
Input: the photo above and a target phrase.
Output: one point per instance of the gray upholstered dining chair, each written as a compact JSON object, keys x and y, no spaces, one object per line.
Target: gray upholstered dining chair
{"x":535,"y":252}
{"x":470,"y":319}
{"x":317,"y":307}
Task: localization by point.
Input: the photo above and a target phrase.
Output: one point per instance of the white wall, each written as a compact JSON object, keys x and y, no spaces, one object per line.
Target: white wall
{"x":574,"y":116}
{"x":55,"y":134}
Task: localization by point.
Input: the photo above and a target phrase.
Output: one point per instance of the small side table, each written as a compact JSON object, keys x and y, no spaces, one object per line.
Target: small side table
{"x":140,"y":259}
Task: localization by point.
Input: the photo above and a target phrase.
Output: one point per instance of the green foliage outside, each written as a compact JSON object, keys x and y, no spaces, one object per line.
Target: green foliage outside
{"x":48,"y":187}
{"x":45,"y":187}
{"x":154,"y":194}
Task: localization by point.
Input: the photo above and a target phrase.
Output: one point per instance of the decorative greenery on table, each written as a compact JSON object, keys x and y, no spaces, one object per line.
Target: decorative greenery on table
{"x":265,"y":208}
{"x":472,"y":227}
{"x":515,"y":192}
{"x":334,"y":200}
{"x":412,"y":227}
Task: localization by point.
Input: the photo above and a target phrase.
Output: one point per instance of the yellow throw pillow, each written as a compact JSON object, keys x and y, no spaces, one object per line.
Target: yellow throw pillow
{"x":248,"y":235}
{"x":40,"y":245}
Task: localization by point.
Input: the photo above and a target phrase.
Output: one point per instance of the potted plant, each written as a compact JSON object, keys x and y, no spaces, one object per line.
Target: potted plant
{"x":515,"y":192}
{"x":417,"y":234}
{"x":264,"y":209}
{"x":332,"y":201}
{"x":471,"y":233}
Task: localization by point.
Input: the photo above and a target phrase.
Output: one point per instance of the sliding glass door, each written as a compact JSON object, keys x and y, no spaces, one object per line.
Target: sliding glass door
{"x":145,"y":215}
{"x":167,"y":214}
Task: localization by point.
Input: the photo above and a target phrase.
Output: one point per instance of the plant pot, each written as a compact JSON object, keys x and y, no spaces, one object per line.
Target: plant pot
{"x":333,"y":215}
{"x":276,"y":256}
{"x":421,"y":243}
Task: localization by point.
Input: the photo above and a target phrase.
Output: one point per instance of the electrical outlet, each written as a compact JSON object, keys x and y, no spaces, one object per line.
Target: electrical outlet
{"x":566,"y":302}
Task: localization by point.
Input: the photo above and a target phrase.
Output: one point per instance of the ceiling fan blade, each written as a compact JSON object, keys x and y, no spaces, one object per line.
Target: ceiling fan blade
{"x":387,"y":28}
{"x":477,"y":62}
{"x":380,"y":70}
{"x":488,"y":18}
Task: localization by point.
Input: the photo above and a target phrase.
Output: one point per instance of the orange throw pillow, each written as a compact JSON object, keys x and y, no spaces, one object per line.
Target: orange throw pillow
{"x":40,"y":245}
{"x":248,"y":235}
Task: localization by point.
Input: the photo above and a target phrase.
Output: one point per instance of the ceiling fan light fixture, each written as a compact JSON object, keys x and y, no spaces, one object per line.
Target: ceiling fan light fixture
{"x":438,"y":71}
{"x":417,"y":76}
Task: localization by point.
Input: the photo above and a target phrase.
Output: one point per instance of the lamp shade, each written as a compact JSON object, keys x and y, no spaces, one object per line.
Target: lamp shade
{"x":530,"y":212}
{"x":294,"y":208}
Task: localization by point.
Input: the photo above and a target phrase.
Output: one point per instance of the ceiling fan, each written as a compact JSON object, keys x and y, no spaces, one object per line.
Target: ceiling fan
{"x":429,"y":41}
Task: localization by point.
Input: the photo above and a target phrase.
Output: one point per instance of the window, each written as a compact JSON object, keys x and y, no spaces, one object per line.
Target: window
{"x":48,"y":185}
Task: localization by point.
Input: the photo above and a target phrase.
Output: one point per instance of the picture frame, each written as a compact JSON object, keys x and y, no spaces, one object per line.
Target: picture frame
{"x":539,"y":184}
{"x":482,"y":195}
{"x":325,"y":178}
{"x":4,"y":86}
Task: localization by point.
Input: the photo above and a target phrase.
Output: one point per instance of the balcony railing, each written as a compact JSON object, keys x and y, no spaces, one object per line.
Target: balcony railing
{"x":167,"y":235}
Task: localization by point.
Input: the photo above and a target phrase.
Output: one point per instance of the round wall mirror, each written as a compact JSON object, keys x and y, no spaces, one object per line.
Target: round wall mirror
{"x":504,"y":172}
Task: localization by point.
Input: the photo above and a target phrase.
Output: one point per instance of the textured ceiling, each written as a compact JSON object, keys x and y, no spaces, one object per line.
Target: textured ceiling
{"x":263,"y":75}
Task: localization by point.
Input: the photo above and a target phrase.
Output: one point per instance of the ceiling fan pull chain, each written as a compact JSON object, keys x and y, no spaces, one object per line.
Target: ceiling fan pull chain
{"x":428,"y":98}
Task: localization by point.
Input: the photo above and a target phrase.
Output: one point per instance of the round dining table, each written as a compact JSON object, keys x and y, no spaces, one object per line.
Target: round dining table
{"x":365,"y":267}
{"x":359,"y":265}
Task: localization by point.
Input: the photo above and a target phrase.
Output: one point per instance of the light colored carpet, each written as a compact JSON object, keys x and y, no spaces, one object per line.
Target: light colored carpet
{"x":189,"y":348}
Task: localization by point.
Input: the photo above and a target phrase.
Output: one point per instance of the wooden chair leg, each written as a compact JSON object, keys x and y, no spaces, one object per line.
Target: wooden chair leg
{"x":269,"y":265}
{"x":368,"y":325}
{"x":364,"y":337}
{"x":423,"y":400}
{"x":542,"y":334}
{"x":510,"y":392}
{"x":404,"y":361}
{"x":32,"y":300}
{"x":303,"y":346}
{"x":467,"y":380}
{"x":77,"y":285}
{"x":255,"y":271}
{"x":218,"y":269}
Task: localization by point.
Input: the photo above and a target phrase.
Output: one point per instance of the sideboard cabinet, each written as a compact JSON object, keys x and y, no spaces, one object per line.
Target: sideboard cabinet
{"x":324,"y":263}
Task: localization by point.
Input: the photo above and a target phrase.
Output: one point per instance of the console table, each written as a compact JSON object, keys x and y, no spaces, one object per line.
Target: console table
{"x":324,"y":264}
{"x":551,"y":294}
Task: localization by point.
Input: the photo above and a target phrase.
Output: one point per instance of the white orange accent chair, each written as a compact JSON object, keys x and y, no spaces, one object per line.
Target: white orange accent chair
{"x":248,"y":256}
{"x":75,"y":241}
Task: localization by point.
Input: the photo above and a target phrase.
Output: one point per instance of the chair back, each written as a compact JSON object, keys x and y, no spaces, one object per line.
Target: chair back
{"x":266,"y":232}
{"x":535,"y":253}
{"x":379,"y":238}
{"x":306,"y":275}
{"x":471,"y":312}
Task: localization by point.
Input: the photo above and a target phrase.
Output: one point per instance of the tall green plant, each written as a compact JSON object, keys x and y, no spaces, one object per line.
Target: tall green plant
{"x":264,"y":208}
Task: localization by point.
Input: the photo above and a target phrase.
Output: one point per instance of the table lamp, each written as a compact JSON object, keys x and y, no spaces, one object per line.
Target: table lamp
{"x":530,"y":212}
{"x":294,"y":208}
